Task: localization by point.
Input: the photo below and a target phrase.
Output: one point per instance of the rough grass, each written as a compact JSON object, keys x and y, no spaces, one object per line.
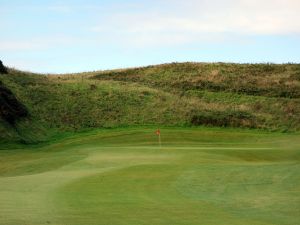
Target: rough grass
{"x":121,"y":177}
{"x":252,"y":79}
{"x":262,"y":96}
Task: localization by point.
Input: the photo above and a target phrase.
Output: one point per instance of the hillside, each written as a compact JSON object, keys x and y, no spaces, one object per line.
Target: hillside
{"x":262,"y":96}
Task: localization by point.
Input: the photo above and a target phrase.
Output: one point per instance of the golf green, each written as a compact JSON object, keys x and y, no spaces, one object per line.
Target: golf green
{"x":123,"y":177}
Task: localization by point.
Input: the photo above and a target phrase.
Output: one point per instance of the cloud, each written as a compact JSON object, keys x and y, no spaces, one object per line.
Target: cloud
{"x":38,"y":43}
{"x":243,"y":16}
{"x":8,"y":45}
{"x":181,"y":22}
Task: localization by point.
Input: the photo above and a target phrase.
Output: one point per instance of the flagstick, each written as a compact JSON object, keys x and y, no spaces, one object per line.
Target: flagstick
{"x":159,"y":141}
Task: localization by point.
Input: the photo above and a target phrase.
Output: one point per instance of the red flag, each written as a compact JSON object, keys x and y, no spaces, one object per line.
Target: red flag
{"x":157,"y":132}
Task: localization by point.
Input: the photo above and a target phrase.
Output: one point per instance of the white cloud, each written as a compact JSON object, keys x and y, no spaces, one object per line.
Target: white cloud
{"x":38,"y":43}
{"x":243,"y":16}
{"x":189,"y":21}
{"x":166,"y":23}
{"x":8,"y":45}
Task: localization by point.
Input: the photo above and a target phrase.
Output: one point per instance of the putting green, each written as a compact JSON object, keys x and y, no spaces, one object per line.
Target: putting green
{"x":122,"y":176}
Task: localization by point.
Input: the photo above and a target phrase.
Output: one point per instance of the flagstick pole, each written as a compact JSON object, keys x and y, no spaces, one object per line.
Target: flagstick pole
{"x":159,"y":141}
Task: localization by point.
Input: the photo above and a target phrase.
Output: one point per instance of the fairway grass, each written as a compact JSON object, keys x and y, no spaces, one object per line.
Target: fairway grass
{"x":123,"y":177}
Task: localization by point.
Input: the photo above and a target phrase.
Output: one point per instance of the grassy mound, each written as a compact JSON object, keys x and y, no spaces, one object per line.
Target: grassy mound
{"x":263,"y":96}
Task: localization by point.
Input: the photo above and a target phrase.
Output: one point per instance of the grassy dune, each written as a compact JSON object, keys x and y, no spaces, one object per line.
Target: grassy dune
{"x":122,"y":176}
{"x":261,"y":96}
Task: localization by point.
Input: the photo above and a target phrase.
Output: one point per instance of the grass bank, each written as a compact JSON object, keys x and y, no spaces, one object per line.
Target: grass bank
{"x":260,"y":96}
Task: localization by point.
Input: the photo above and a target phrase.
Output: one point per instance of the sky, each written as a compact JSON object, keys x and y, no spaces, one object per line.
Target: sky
{"x":62,"y":36}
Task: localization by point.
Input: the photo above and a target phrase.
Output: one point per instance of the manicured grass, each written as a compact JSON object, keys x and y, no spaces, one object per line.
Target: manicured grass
{"x":122,"y":177}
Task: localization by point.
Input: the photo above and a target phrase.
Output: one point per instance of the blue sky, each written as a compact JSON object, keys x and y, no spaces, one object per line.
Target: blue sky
{"x":84,"y":35}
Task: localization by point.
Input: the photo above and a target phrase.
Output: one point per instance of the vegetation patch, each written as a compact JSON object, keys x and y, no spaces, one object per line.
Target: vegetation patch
{"x":11,"y":109}
{"x":2,"y":68}
{"x":226,"y":118}
{"x":263,"y":96}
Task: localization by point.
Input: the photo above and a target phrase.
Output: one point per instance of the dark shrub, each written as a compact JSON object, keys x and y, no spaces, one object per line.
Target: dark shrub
{"x":93,"y":87}
{"x":2,"y":68}
{"x":224,"y":118}
{"x":10,"y":108}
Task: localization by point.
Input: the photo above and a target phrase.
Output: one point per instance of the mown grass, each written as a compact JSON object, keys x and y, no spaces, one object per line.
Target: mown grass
{"x":121,"y":176}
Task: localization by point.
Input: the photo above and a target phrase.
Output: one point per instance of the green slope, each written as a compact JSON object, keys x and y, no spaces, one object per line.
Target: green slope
{"x":263,"y":96}
{"x":122,"y":177}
